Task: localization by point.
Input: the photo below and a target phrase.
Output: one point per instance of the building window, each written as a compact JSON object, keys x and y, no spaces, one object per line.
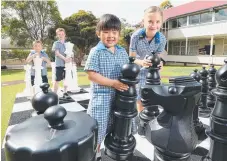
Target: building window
{"x":206,"y":17}
{"x":193,"y":47}
{"x":182,"y":21}
{"x":194,"y":19}
{"x":173,"y":24}
{"x":221,"y":14}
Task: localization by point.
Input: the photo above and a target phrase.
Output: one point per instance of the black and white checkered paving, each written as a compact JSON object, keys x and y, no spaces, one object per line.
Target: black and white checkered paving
{"x":22,"y":110}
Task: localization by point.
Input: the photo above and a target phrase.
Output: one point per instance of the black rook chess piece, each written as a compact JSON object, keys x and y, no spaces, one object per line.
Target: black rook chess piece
{"x":120,"y":143}
{"x":211,"y":85}
{"x":172,"y":133}
{"x":43,"y":99}
{"x":152,"y":78}
{"x":203,"y":110}
{"x":218,"y":126}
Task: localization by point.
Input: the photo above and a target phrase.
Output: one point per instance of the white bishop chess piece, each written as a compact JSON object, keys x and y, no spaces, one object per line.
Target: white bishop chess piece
{"x":38,"y":77}
{"x":70,"y":70}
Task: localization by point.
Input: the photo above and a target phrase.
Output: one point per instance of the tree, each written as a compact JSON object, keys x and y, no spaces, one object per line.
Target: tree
{"x":80,"y":30}
{"x":26,"y":21}
{"x":126,"y":32}
{"x":166,"y":4}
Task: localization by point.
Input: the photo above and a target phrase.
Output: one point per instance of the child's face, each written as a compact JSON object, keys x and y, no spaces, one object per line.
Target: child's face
{"x":152,"y":22}
{"x":61,"y":35}
{"x":109,"y":37}
{"x":37,"y":47}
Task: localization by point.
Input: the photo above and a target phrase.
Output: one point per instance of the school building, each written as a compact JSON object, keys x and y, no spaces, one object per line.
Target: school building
{"x":196,"y":32}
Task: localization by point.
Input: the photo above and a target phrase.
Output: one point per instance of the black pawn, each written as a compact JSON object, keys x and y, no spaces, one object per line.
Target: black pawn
{"x":120,"y":143}
{"x":195,"y":75}
{"x":218,"y":129}
{"x":203,"y":110}
{"x":153,"y":78}
{"x":43,"y":99}
{"x":211,"y":85}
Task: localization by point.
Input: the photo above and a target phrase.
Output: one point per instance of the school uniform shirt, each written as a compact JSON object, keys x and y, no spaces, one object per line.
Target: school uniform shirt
{"x":58,"y":45}
{"x":44,"y":70}
{"x":108,"y":64}
{"x":142,"y":47}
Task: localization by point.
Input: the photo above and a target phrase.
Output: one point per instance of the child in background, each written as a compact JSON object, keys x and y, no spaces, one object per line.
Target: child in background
{"x":37,"y":46}
{"x":145,"y":41}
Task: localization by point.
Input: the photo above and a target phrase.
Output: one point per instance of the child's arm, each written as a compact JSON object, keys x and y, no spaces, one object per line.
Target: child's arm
{"x":132,"y":52}
{"x":30,"y":57}
{"x":99,"y":79}
{"x":56,"y":51}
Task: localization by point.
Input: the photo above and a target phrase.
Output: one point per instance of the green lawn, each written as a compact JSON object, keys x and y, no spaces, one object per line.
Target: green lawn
{"x":9,"y":92}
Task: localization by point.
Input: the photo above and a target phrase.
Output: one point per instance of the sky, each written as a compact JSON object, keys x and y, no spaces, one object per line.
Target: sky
{"x":131,"y":10}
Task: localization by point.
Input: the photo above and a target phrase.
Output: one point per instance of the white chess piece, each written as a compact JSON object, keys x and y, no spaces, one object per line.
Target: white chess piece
{"x":38,"y":77}
{"x":28,"y":86}
{"x":70,"y":70}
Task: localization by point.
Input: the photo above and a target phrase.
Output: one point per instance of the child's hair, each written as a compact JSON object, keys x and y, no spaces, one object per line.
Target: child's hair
{"x":154,"y":9}
{"x":37,"y":42}
{"x":107,"y":22}
{"x":60,"y":29}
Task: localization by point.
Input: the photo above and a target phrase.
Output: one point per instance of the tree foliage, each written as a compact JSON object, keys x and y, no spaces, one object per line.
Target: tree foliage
{"x":166,"y":4}
{"x":26,"y":21}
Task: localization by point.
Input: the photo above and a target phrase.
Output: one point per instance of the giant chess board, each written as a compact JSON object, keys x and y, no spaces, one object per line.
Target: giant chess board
{"x":22,"y":110}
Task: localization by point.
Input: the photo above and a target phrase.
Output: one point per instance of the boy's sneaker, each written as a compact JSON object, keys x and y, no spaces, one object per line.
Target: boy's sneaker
{"x":66,"y":96}
{"x":98,"y":156}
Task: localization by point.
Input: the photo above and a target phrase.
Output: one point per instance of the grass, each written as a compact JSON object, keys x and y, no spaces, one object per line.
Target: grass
{"x":9,"y":92}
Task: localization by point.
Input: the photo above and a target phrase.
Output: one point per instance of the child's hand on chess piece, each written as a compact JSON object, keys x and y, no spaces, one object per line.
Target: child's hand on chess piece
{"x":119,"y":86}
{"x":67,"y":60}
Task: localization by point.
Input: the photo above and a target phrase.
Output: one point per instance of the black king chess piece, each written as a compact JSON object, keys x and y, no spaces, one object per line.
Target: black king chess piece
{"x":172,"y":133}
{"x":204,"y":111}
{"x":43,"y":99}
{"x":211,"y":85}
{"x":218,"y":129}
{"x":152,"y":78}
{"x":120,"y":143}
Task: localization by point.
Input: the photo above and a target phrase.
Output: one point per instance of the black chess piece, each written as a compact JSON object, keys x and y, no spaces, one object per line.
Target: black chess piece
{"x":211,"y":85}
{"x":195,"y":75}
{"x":44,"y":99}
{"x":204,"y":111}
{"x":172,"y":133}
{"x":218,"y":129}
{"x":152,"y":78}
{"x":120,"y":143}
{"x":199,"y":127}
{"x":62,"y":136}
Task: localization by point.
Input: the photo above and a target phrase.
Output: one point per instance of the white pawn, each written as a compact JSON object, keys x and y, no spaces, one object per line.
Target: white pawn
{"x":28,"y":86}
{"x":38,"y":77}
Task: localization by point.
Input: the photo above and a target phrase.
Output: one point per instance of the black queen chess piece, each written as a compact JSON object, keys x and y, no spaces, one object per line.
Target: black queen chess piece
{"x":152,"y":78}
{"x":43,"y":99}
{"x":55,"y":136}
{"x":172,"y":132}
{"x":120,"y":143}
{"x":211,"y":85}
{"x":218,"y":125}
